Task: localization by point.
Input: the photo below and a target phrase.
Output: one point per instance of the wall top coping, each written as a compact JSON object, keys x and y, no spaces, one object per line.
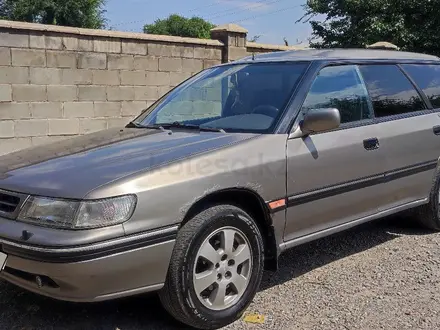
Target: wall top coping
{"x":256,"y":45}
{"x":230,"y":28}
{"x":105,"y":33}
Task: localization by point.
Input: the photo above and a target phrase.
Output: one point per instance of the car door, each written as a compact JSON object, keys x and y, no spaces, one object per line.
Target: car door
{"x":331,"y":175}
{"x":408,"y":128}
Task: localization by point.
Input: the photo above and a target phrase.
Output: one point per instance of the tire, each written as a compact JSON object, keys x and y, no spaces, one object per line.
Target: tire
{"x":429,"y":215}
{"x":208,"y":229}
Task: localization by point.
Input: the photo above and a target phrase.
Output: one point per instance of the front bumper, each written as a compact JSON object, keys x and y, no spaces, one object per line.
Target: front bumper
{"x":96,"y":272}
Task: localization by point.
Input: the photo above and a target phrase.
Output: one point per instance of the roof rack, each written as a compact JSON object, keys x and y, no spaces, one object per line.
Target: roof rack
{"x":383,"y":45}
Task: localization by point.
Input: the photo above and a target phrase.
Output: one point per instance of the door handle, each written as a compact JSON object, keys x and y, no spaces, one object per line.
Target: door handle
{"x":371,"y":144}
{"x":436,"y":130}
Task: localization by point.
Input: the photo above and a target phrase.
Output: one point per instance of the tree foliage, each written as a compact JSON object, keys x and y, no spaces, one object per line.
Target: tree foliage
{"x":176,"y":25}
{"x":410,"y":24}
{"x":76,"y":13}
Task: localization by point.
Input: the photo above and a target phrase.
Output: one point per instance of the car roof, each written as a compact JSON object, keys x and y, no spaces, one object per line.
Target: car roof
{"x":338,"y":54}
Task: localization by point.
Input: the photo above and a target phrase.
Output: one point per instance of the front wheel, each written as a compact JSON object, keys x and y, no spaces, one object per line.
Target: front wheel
{"x":215,"y":269}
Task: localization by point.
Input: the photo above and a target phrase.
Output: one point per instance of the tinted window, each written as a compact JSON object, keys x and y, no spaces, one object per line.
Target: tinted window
{"x":428,"y":79}
{"x":391,"y":92}
{"x":340,"y":87}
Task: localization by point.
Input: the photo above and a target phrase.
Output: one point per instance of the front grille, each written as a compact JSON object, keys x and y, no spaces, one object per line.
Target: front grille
{"x":8,"y":203}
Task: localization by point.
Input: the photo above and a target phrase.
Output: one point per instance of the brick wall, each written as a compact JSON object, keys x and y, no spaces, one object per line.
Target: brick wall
{"x":58,"y":82}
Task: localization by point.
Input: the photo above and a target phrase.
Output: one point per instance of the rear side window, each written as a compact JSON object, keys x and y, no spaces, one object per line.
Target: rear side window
{"x":340,"y":87}
{"x":390,"y":90}
{"x":428,"y":79}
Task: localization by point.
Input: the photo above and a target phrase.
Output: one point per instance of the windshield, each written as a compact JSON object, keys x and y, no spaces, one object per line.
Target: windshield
{"x":235,"y":98}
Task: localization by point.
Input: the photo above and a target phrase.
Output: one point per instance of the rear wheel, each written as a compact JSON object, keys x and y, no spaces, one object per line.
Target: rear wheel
{"x":216,"y":268}
{"x":429,"y":215}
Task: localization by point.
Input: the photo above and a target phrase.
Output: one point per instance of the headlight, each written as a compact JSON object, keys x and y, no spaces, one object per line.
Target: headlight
{"x":78,"y":214}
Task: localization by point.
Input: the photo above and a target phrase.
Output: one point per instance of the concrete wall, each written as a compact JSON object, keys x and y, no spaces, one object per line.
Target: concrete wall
{"x":257,"y":48}
{"x":58,"y":82}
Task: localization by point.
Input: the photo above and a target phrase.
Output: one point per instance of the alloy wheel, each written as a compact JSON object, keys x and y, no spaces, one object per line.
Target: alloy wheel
{"x":222,"y":268}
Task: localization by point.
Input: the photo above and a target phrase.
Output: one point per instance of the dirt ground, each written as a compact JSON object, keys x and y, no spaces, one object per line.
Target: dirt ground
{"x":383,"y":275}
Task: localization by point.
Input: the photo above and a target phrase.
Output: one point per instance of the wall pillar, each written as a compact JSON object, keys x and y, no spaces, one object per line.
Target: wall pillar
{"x":234,"y":38}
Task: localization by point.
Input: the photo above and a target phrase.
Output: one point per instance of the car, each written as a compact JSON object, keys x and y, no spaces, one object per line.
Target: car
{"x":204,"y":190}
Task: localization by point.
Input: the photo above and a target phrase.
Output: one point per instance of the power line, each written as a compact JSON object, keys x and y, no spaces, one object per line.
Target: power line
{"x":127,"y":23}
{"x":189,"y":11}
{"x":265,"y":14}
{"x":228,"y":12}
{"x":244,"y":5}
{"x":230,"y":2}
{"x":234,"y":11}
{"x":215,"y":3}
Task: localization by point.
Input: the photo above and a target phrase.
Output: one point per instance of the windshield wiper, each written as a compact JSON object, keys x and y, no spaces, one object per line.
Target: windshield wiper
{"x":176,"y":124}
{"x":212,"y":129}
{"x":190,"y":126}
{"x":132,"y":124}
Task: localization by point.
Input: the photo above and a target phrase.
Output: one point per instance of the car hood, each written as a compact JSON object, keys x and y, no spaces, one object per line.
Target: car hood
{"x":74,"y":167}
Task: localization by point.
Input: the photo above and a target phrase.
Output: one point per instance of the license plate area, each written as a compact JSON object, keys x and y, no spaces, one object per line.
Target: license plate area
{"x":3,"y":258}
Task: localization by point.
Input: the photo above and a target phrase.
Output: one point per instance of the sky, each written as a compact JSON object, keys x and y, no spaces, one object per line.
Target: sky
{"x":271,"y":19}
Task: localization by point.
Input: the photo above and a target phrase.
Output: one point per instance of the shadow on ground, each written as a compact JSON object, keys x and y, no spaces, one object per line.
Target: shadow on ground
{"x":304,"y":258}
{"x":22,"y":310}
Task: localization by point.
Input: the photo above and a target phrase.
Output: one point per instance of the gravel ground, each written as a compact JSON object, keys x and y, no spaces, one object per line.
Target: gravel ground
{"x":382,"y":275}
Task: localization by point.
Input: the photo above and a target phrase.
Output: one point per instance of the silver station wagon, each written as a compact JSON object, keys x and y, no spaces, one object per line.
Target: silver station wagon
{"x":207,"y":187}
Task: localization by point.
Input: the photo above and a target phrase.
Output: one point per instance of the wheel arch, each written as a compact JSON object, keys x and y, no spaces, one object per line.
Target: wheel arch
{"x":252,"y":203}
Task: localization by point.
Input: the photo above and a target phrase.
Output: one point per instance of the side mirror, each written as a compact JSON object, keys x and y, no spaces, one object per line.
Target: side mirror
{"x":320,"y":120}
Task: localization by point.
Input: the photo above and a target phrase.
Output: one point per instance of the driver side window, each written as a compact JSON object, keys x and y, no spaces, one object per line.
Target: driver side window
{"x":340,"y":87}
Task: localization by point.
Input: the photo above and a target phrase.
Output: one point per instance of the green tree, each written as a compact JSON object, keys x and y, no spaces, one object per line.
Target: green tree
{"x":410,"y":24}
{"x":76,"y":13}
{"x":176,"y":25}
